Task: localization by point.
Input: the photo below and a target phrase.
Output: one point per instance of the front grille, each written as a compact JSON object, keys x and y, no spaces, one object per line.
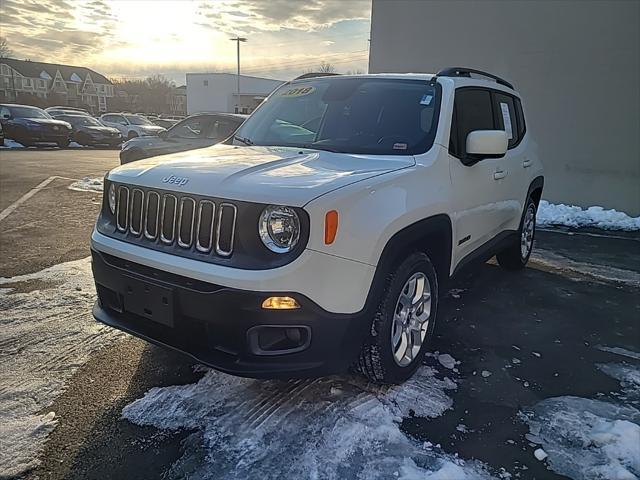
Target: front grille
{"x":178,"y":220}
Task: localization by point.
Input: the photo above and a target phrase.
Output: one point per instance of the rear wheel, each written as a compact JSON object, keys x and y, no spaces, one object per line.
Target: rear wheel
{"x":403,"y":323}
{"x":516,"y":256}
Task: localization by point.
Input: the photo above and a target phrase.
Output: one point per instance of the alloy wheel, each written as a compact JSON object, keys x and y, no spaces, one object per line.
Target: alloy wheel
{"x":411,"y":319}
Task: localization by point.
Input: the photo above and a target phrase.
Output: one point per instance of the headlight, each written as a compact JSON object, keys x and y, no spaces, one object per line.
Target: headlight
{"x":279,"y":228}
{"x":112,"y":198}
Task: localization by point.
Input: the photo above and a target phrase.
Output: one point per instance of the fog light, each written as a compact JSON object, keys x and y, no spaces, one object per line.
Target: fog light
{"x":280,"y":303}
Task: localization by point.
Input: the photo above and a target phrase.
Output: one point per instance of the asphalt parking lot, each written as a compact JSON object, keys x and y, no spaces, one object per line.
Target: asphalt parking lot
{"x":506,"y":344}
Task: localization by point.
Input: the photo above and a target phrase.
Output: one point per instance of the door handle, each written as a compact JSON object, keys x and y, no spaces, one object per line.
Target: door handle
{"x":499,"y":175}
{"x":526,"y":163}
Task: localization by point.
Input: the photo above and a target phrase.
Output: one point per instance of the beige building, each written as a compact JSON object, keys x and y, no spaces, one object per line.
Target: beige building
{"x":59,"y":84}
{"x":576,"y":65}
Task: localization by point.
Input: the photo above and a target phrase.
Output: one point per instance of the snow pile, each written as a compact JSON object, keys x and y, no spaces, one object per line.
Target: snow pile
{"x":324,"y":428}
{"x":590,"y":439}
{"x":596,"y":217}
{"x":46,"y":334}
{"x":87,"y":185}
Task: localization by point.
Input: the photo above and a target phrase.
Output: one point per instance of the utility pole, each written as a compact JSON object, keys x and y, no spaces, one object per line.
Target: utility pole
{"x":238,"y":39}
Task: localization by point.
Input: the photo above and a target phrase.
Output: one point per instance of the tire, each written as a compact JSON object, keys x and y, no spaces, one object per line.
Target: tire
{"x":516,"y":256}
{"x":378,"y":359}
{"x":63,"y":144}
{"x":83,"y":139}
{"x":131,"y":135}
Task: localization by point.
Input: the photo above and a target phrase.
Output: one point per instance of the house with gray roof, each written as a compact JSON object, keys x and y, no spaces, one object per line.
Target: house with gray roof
{"x":62,"y":84}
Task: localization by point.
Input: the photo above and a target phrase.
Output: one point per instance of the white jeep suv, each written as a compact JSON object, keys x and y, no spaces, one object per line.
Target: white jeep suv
{"x":321,"y":235}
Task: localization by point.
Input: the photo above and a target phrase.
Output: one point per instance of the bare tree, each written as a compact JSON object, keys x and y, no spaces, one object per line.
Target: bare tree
{"x":326,"y":67}
{"x":357,"y":71}
{"x":5,"y":51}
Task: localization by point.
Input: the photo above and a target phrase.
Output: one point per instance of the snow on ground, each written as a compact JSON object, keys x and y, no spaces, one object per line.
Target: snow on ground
{"x":332,"y":427}
{"x":46,"y":333}
{"x":87,"y":184}
{"x":596,"y":217}
{"x":11,"y":144}
{"x":620,"y":351}
{"x":599,"y":272}
{"x":591,"y":439}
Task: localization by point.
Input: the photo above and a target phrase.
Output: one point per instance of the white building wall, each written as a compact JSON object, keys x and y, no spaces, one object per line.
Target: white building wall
{"x":214,"y":92}
{"x":576,"y":64}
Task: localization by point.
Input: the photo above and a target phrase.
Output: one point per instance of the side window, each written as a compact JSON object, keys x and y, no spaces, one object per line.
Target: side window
{"x":191,"y":128}
{"x":506,"y":119}
{"x":221,"y":129}
{"x":472,"y":111}
{"x":120,"y":119}
{"x":5,"y":112}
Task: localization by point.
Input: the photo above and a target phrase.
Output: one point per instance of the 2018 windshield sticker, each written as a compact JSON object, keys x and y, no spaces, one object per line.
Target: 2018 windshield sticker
{"x":298,"y":91}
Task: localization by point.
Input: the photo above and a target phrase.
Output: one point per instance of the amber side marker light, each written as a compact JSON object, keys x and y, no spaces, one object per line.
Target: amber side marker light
{"x":280,"y":303}
{"x":330,"y":227}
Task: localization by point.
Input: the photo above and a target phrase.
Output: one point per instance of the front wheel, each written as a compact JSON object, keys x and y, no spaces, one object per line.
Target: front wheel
{"x":403,"y":323}
{"x":63,"y":143}
{"x":516,"y":256}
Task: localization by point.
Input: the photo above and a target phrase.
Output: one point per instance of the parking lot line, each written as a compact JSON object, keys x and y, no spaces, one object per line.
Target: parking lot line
{"x":7,"y":211}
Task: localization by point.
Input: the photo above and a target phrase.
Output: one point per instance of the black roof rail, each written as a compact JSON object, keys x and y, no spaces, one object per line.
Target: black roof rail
{"x":466,"y":72}
{"x":315,"y":74}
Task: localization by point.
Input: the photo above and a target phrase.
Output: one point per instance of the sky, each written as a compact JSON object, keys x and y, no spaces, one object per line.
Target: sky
{"x":137,"y":38}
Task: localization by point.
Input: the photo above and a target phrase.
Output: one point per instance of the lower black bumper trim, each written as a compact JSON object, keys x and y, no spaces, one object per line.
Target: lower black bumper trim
{"x":212,"y":324}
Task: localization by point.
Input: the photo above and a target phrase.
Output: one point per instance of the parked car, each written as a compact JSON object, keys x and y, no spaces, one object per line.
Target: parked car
{"x":62,"y":110}
{"x":33,"y":126}
{"x":89,"y":131}
{"x":323,"y":234}
{"x":130,"y":125}
{"x":164,"y":122}
{"x":197,"y":131}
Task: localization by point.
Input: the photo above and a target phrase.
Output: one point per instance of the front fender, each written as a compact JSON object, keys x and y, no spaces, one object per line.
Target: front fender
{"x":372,"y":211}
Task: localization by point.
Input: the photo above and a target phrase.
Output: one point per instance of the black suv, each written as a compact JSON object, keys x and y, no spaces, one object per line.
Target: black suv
{"x":31,"y":126}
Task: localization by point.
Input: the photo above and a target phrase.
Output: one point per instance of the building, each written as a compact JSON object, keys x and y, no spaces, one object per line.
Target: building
{"x":217,"y":92}
{"x":177,"y":101}
{"x":576,"y":65}
{"x":45,"y":84}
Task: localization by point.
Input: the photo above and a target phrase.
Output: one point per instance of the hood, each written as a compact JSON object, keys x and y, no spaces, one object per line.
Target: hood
{"x":45,"y":121}
{"x":151,"y":128}
{"x":286,"y":176}
{"x":143,"y":142}
{"x":97,"y":129}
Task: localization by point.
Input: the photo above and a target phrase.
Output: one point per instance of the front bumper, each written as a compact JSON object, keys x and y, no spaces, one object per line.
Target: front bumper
{"x":219,"y":326}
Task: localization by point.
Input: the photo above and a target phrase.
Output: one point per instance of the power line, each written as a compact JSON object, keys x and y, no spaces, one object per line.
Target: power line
{"x":329,"y":57}
{"x":303,"y":65}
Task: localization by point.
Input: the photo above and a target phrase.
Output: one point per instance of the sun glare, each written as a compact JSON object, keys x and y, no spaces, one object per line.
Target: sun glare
{"x":165,"y":32}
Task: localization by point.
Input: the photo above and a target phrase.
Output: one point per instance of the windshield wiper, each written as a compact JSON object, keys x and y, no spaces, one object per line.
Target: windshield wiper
{"x":314,"y":146}
{"x":246,"y":141}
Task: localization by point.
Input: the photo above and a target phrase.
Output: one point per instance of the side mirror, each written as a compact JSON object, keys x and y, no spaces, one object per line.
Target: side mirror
{"x":486,"y":144}
{"x":163,"y":134}
{"x":6,"y":116}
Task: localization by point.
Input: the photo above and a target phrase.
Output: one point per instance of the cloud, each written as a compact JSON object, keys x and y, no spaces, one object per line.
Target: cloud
{"x":48,"y":29}
{"x":249,"y":16}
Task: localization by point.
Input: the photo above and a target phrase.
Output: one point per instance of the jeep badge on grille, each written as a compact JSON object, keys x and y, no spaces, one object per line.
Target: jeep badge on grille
{"x":179,"y":181}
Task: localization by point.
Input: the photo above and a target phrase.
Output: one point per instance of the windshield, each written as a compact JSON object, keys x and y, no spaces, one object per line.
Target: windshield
{"x":27,"y":112}
{"x":137,"y":120}
{"x":81,"y":120}
{"x":349,"y":115}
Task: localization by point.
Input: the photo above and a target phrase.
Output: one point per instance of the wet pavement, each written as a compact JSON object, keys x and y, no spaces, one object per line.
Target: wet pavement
{"x":519,"y":338}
